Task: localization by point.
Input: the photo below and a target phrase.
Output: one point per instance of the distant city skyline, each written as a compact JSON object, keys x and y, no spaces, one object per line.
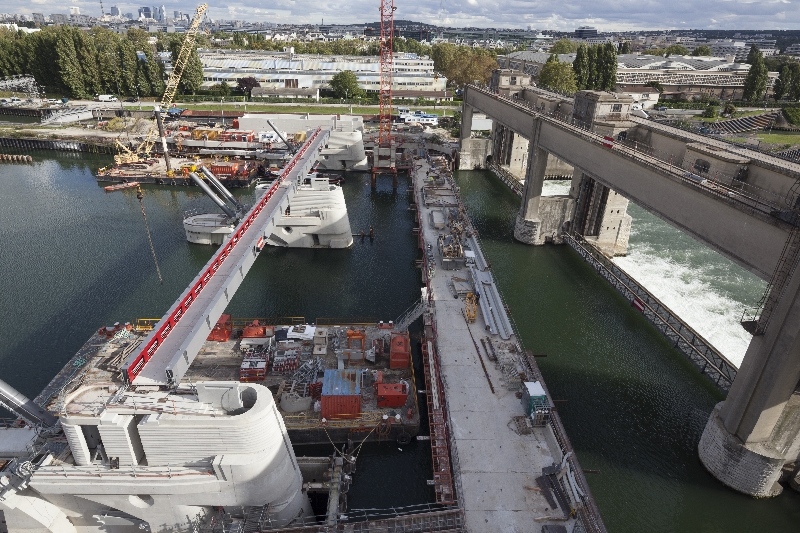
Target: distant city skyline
{"x":546,"y":15}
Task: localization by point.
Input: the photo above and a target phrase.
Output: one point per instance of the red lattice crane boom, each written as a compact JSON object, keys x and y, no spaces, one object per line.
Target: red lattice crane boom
{"x":387,"y":34}
{"x":384,"y":157}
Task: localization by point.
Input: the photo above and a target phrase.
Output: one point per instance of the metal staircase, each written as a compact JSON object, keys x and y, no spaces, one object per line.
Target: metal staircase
{"x":410,"y":315}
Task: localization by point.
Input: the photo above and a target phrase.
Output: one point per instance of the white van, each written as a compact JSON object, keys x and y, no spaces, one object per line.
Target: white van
{"x":106,"y":98}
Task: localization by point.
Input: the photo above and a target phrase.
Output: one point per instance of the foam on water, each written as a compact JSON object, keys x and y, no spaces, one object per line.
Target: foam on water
{"x":704,"y":288}
{"x":707,"y":290}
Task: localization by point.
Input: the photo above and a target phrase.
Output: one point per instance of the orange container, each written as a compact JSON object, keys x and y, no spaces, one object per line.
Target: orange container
{"x":222,"y":330}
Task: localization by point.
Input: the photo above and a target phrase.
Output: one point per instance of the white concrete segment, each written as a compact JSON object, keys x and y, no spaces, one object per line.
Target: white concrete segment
{"x":179,"y":348}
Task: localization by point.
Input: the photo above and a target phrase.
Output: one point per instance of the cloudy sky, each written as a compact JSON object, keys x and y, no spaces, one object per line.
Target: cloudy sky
{"x":617,"y":15}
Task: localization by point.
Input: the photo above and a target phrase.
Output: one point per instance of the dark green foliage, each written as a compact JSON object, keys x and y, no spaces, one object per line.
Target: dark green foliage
{"x":625,"y":48}
{"x":591,"y":58}
{"x":345,"y":85}
{"x":788,"y":83}
{"x":564,"y":46}
{"x":595,"y":67}
{"x":247,"y":84}
{"x":580,"y":67}
{"x":711,"y":112}
{"x":755,"y":84}
{"x":676,"y":50}
{"x":78,"y":63}
{"x":702,"y":51}
{"x":655,"y":85}
{"x":792,"y":114}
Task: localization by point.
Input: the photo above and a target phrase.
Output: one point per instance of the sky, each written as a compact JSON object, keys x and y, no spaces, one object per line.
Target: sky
{"x":616,"y":15}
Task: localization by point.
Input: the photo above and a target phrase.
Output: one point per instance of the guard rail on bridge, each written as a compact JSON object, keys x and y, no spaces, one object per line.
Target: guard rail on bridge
{"x":750,"y":201}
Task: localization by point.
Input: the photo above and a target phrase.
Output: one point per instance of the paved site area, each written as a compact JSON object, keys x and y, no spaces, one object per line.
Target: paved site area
{"x":496,"y":465}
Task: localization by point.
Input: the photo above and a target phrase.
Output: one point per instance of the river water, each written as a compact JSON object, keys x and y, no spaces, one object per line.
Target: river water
{"x":75,"y":258}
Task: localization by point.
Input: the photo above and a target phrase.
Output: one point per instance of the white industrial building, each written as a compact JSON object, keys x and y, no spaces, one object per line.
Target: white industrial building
{"x":685,"y":77}
{"x":285,"y":70}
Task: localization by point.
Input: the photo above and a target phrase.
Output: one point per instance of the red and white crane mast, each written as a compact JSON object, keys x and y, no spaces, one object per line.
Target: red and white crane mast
{"x":384,"y":157}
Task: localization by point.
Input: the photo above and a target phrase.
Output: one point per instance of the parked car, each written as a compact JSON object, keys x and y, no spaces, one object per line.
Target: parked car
{"x":131,"y":99}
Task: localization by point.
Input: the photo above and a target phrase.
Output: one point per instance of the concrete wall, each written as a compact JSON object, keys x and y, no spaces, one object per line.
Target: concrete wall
{"x":473,"y":153}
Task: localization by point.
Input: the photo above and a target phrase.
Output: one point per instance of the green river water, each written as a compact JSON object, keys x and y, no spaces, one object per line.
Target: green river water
{"x":75,"y":258}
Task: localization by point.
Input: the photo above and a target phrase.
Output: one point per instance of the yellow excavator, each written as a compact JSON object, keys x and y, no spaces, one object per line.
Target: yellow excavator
{"x":142,"y":152}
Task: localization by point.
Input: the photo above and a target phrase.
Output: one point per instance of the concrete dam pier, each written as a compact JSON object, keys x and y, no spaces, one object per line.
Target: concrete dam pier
{"x":741,"y":203}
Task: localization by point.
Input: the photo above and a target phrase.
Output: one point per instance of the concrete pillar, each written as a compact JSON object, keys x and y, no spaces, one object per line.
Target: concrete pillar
{"x":756,"y":430}
{"x":465,"y":152}
{"x":540,"y":219}
{"x":601,"y":215}
{"x":518,"y":150}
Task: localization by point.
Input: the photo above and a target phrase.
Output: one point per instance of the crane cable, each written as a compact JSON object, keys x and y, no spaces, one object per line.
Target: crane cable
{"x":140,"y":196}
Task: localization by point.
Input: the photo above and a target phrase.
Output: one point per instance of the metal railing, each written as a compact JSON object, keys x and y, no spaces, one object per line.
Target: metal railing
{"x":697,"y":349}
{"x":717,"y":185}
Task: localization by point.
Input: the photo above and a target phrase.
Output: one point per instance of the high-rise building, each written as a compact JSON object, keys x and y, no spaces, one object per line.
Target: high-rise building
{"x":146,"y":12}
{"x":114,"y":11}
{"x":177,"y":15}
{"x":74,"y":10}
{"x":585,"y":32}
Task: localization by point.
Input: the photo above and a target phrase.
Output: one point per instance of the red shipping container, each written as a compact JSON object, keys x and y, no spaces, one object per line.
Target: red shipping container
{"x":334,"y":407}
{"x":400,"y":351}
{"x":392,"y":394}
{"x":341,"y":394}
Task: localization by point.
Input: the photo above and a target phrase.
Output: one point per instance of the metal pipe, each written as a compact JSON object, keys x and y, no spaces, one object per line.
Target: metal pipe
{"x":22,"y":406}
{"x":289,"y":146}
{"x":216,"y":199}
{"x":220,"y":187}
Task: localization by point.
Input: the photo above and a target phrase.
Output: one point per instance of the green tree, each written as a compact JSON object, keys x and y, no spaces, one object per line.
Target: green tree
{"x":443,"y":55}
{"x":564,"y":46}
{"x":591,"y":59}
{"x":345,"y":85}
{"x":608,"y":67}
{"x":247,"y":84}
{"x":580,"y":67}
{"x":783,"y":83}
{"x":655,"y":85}
{"x":192,"y":77}
{"x":711,"y":112}
{"x":558,"y":77}
{"x":625,"y":47}
{"x":702,"y":51}
{"x":68,"y":65}
{"x":221,"y":89}
{"x":676,"y":50}
{"x":753,"y":54}
{"x":793,"y":92}
{"x":88,"y":60}
{"x":755,"y":84}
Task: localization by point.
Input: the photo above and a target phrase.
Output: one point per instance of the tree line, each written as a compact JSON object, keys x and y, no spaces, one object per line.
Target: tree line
{"x":68,"y":61}
{"x":594,"y":68}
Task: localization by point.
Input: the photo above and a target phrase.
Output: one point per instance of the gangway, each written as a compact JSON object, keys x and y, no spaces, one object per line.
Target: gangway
{"x":169,"y":349}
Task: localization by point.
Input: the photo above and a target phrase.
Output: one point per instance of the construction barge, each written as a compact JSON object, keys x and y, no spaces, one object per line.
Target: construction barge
{"x":342,"y":383}
{"x":499,"y":449}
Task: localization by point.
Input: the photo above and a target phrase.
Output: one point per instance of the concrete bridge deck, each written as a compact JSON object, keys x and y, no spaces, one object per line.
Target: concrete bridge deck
{"x":739,"y":226}
{"x":498,"y":465}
